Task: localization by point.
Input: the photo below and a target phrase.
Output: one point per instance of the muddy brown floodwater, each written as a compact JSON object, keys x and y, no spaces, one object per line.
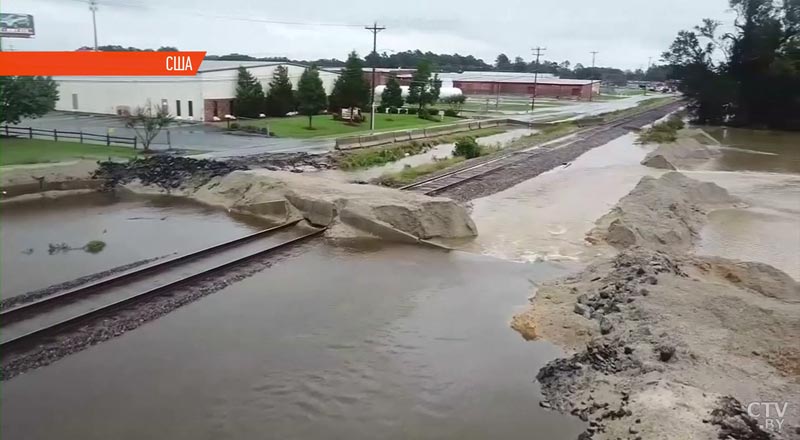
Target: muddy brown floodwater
{"x":763,"y":169}
{"x":332,"y":342}
{"x":133,"y":228}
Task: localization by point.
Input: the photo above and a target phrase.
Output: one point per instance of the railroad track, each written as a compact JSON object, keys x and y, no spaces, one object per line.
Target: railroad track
{"x":442,"y":182}
{"x":33,"y":323}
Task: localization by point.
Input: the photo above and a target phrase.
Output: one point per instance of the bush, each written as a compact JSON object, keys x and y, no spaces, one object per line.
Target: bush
{"x":467,"y":148}
{"x":413,"y":110}
{"x":380,"y":109}
{"x":424,"y":114}
{"x":234,"y":125}
{"x":434,"y":111}
{"x":393,"y":110}
{"x":451,"y":113}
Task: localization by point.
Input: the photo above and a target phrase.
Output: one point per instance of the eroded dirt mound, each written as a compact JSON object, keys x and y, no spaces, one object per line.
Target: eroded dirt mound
{"x":294,"y":162}
{"x":664,"y":213}
{"x":383,"y":212}
{"x":685,"y":153}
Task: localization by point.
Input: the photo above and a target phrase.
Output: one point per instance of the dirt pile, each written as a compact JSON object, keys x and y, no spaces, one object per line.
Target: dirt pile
{"x":166,"y":172}
{"x":669,"y":345}
{"x":664,"y":213}
{"x":688,"y":152}
{"x":347,"y":209}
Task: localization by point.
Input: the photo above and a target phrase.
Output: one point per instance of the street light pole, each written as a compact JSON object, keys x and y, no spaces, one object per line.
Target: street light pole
{"x":594,"y":55}
{"x":93,"y":8}
{"x":374,"y":29}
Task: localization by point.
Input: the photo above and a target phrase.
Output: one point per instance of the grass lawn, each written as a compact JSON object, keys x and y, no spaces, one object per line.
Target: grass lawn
{"x":28,"y":151}
{"x":325,"y":126}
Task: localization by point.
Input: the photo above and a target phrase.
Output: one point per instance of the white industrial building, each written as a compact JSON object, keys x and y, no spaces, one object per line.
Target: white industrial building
{"x":210,"y":93}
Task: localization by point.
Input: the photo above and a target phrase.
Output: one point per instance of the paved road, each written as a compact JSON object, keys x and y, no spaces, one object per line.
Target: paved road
{"x":199,"y":137}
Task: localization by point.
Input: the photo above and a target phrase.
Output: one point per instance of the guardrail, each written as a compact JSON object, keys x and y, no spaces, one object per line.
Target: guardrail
{"x":371,"y":140}
{"x":56,"y":135}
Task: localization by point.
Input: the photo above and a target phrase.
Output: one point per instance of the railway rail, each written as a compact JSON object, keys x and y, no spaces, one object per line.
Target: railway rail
{"x":33,"y":323}
{"x":442,"y":182}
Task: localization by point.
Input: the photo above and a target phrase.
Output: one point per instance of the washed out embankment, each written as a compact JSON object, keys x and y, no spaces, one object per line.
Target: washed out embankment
{"x":668,"y":344}
{"x":347,"y":210}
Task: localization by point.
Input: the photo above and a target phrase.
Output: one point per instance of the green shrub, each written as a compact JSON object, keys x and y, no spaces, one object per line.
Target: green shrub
{"x":451,"y":113}
{"x":424,"y":114}
{"x":413,"y":110}
{"x":234,"y":125}
{"x":433,"y":110}
{"x":467,"y":148}
{"x":393,"y":110}
{"x":94,"y":246}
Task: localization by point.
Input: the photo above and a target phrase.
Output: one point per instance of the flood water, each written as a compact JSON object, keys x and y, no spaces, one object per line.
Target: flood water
{"x":763,"y":169}
{"x":441,"y":151}
{"x":331,"y":342}
{"x":547,"y":217}
{"x":132,"y":228}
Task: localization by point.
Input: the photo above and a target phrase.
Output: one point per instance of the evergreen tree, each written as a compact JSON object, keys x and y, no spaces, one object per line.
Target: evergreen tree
{"x":311,"y":96}
{"x":502,"y":64}
{"x":351,"y":89}
{"x":420,"y":81}
{"x":249,"y":95}
{"x":280,"y":97}
{"x":392,"y":95}
{"x":424,"y":90}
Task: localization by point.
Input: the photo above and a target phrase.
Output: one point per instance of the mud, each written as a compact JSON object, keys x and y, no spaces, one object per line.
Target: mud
{"x":668,"y":344}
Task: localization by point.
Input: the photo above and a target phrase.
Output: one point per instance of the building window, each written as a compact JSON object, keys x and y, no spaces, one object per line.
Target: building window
{"x":190,"y":110}
{"x":216,"y":108}
{"x":164,"y":106}
{"x":177,"y":107}
{"x":74,"y":101}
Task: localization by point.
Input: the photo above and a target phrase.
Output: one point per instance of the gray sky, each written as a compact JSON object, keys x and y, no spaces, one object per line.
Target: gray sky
{"x":626,"y":34}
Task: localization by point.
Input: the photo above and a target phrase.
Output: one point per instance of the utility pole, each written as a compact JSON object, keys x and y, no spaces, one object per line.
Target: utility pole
{"x":93,"y":8}
{"x":594,"y":55}
{"x":374,"y":29}
{"x":644,"y":79}
{"x":538,"y":52}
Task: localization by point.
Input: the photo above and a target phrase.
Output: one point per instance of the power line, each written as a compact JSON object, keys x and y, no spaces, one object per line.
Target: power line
{"x":538,"y":50}
{"x":374,"y":29}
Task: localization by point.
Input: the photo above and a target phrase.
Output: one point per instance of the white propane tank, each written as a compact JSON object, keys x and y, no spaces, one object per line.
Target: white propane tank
{"x":444,"y":92}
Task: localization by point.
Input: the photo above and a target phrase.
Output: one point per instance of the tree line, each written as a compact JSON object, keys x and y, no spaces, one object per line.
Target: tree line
{"x":747,"y":77}
{"x":351,"y":90}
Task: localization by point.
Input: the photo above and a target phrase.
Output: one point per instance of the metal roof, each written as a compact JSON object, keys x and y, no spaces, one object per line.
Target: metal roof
{"x":513,"y":77}
{"x":220,"y":65}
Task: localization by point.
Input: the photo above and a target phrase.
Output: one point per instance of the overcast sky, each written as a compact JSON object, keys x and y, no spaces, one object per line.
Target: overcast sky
{"x":625,"y":32}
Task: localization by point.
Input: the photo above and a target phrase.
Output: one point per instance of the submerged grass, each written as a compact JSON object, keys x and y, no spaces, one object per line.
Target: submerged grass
{"x":377,"y":156}
{"x":663,"y":132}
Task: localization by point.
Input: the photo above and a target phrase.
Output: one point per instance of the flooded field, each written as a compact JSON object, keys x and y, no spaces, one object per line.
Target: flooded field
{"x":330,"y":342}
{"x":441,"y":151}
{"x":132,"y":228}
{"x":546,"y":218}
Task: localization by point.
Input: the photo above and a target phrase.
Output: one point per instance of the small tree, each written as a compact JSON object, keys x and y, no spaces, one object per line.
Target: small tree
{"x":351,"y":89}
{"x":249,"y":94}
{"x":392,"y":95}
{"x":147,"y":122}
{"x":467,"y":148}
{"x":26,"y":97}
{"x":455,"y":103}
{"x":424,"y":90}
{"x":311,"y":95}
{"x":280,"y":97}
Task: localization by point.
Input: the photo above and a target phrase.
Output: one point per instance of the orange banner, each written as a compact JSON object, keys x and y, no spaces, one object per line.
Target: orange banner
{"x":100,"y":63}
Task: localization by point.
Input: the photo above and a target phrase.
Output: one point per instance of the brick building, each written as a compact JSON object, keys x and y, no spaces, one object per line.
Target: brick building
{"x":523,"y":84}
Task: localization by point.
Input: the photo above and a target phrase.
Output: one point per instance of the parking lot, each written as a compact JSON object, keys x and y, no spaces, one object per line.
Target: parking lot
{"x":196,"y":136}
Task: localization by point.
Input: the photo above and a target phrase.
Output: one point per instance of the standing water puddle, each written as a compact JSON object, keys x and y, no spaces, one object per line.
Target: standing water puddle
{"x":441,"y":151}
{"x":132,"y":228}
{"x":347,"y":342}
